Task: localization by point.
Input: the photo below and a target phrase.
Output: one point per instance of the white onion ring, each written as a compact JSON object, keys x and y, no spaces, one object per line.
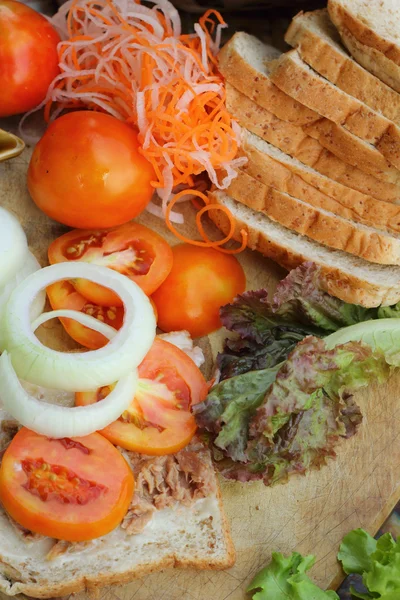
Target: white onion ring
{"x":59,"y":421}
{"x":13,"y":246}
{"x":82,"y":318}
{"x":30,"y":266}
{"x":81,"y":371}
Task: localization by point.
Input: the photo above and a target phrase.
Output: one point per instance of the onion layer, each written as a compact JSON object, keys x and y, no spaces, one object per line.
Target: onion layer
{"x":59,"y":421}
{"x":30,"y":265}
{"x":13,"y":246}
{"x":81,"y":371}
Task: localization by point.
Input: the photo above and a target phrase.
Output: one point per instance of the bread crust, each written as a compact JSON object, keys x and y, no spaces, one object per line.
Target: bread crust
{"x":324,"y":227}
{"x":362,"y":31}
{"x":259,"y":87}
{"x":294,"y":141}
{"x":262,"y":171}
{"x":346,"y":286}
{"x":350,"y":149}
{"x":339,"y":68}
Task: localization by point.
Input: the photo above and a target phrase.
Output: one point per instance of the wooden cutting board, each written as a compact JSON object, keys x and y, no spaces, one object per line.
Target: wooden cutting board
{"x":310,"y":514}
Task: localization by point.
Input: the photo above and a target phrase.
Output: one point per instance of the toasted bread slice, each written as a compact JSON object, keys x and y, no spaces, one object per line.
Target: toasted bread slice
{"x":294,"y":141}
{"x":318,"y":43}
{"x":350,"y":278}
{"x":194,"y":535}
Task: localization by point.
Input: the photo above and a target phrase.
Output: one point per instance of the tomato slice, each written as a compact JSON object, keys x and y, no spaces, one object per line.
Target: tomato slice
{"x":62,"y":294}
{"x":70,"y":489}
{"x":159,"y":420}
{"x":132,"y":249}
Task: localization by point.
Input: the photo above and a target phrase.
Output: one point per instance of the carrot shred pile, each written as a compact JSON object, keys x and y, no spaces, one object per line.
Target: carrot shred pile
{"x":132,"y":61}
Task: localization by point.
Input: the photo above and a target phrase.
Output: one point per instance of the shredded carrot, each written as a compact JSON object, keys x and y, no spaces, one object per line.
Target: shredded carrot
{"x":133,"y":62}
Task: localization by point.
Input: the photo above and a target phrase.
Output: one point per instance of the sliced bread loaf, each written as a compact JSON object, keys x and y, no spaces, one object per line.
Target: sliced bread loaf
{"x":243,"y":63}
{"x":292,"y":75}
{"x":268,"y":167}
{"x":350,"y":278}
{"x":322,"y":225}
{"x":353,"y":150}
{"x":318,"y":43}
{"x":294,"y":141}
{"x":374,"y":23}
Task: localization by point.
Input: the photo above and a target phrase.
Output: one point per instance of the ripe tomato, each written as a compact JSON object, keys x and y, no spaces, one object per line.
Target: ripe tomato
{"x":71,"y":489}
{"x":201,"y":281}
{"x":132,"y":249}
{"x":159,"y":420}
{"x":87,"y":172}
{"x":62,"y":294}
{"x":28,"y":57}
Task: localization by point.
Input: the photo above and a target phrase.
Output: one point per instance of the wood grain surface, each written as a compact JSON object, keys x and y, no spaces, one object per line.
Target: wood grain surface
{"x":310,"y":514}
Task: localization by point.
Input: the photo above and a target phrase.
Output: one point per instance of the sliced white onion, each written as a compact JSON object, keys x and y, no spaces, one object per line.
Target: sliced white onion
{"x":80,"y":371}
{"x":30,"y":265}
{"x":82,"y":318}
{"x":59,"y":421}
{"x":13,"y":246}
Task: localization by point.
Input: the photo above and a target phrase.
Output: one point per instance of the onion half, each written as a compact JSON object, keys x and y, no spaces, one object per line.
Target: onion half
{"x":59,"y":421}
{"x":81,"y":371}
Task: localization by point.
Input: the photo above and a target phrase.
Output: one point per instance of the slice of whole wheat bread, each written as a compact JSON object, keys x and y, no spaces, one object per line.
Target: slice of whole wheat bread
{"x":371,"y":59}
{"x":353,"y":150}
{"x":319,"y":44}
{"x":243,"y":63}
{"x":350,"y":278}
{"x":267,"y":167}
{"x":293,"y":76}
{"x":295,"y":142}
{"x":374,"y":23}
{"x":320,"y":224}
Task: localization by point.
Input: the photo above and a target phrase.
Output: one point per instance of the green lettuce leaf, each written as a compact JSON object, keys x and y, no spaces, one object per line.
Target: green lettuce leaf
{"x":285,"y":579}
{"x":378,"y":561}
{"x":355,"y":551}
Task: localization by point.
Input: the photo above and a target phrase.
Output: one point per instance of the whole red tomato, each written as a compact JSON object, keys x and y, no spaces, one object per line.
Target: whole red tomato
{"x":86,"y":172}
{"x":200,"y":282}
{"x":28,"y":57}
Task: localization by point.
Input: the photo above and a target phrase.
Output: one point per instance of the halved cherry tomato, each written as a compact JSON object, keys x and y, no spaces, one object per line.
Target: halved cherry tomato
{"x":70,"y":489}
{"x":159,"y":420}
{"x":87,"y":171}
{"x":200,"y":282}
{"x":132,"y":249}
{"x":63,"y":295}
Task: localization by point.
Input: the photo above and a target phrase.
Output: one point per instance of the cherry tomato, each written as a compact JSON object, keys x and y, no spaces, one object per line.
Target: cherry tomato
{"x":132,"y":249}
{"x":70,"y":489}
{"x":87,"y":172}
{"x":62,"y":294}
{"x":200,"y":282}
{"x":28,"y":57}
{"x":159,"y":420}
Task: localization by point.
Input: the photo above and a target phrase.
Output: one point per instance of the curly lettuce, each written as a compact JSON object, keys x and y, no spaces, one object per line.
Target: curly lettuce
{"x":271,"y":423}
{"x":378,"y":561}
{"x":285,"y":578}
